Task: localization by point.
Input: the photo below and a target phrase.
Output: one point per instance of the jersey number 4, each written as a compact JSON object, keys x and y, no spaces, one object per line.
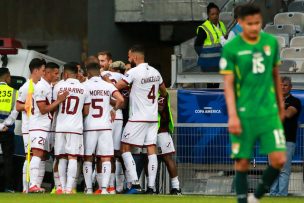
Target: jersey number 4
{"x":151,"y":94}
{"x":257,"y":65}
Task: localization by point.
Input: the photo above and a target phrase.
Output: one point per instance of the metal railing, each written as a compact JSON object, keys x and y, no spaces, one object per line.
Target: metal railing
{"x":205,"y":166}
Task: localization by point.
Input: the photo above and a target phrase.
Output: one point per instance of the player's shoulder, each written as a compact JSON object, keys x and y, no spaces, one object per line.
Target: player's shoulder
{"x":24,"y":86}
{"x":266,"y":36}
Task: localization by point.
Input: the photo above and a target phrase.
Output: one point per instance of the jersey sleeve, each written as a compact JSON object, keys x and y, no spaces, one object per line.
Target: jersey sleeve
{"x":227,"y":61}
{"x":55,"y":92}
{"x":276,"y":56}
{"x":112,"y":89}
{"x":129,"y":76}
{"x":161,"y":81}
{"x":22,"y":94}
{"x":39,"y":94}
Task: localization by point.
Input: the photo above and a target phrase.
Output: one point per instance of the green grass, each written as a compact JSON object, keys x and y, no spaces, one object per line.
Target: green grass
{"x":81,"y":198}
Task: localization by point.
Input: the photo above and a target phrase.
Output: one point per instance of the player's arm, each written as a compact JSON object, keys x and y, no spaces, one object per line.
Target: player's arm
{"x":19,"y":106}
{"x":234,"y":125}
{"x":45,"y":108}
{"x":86,"y":109}
{"x":121,"y":84}
{"x":163,"y":90}
{"x":119,"y":100}
{"x":279,"y":94}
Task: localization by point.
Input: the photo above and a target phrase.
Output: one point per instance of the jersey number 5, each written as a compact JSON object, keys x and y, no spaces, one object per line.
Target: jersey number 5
{"x":151,"y":94}
{"x":257,"y":65}
{"x":97,"y":107}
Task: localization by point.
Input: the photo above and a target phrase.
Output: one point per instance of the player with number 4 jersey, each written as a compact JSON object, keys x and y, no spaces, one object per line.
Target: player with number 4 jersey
{"x":141,"y":129}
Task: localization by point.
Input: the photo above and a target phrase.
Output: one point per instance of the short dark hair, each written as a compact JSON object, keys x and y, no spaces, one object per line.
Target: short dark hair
{"x":36,"y":63}
{"x":71,"y":68}
{"x":286,"y":79}
{"x":248,"y":10}
{"x":93,"y":67}
{"x":107,"y":53}
{"x":51,"y":65}
{"x":236,"y":11}
{"x":4,"y":71}
{"x":137,"y":48}
{"x":210,"y":6}
{"x":75,"y":63}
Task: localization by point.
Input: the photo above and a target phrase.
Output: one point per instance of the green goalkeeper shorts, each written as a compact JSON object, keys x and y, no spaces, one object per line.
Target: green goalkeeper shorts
{"x":267,"y":130}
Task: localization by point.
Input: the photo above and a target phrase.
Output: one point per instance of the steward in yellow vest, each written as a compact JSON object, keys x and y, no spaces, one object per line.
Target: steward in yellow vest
{"x":208,"y":41}
{"x":8,"y":114}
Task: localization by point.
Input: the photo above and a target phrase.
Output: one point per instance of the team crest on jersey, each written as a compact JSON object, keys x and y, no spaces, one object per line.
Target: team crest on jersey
{"x":267,"y":50}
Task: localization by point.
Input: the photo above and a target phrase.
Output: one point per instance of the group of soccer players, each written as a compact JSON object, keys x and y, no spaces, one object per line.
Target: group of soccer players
{"x":81,"y":120}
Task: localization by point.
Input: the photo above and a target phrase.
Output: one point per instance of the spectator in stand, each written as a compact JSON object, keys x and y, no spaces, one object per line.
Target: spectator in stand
{"x":292,"y":112}
{"x":208,"y":41}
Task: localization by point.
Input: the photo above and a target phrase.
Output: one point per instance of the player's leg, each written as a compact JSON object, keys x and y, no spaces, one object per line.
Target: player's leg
{"x":60,"y":154}
{"x":116,"y":164}
{"x":56,"y":174}
{"x":79,"y":169}
{"x":150,"y":143}
{"x":25,"y":164}
{"x":38,"y":147}
{"x":74,"y":149}
{"x":272,"y":142}
{"x":134,"y":134}
{"x":165,"y":150}
{"x":105,"y":152}
{"x":90,"y":143}
{"x":242,"y":151}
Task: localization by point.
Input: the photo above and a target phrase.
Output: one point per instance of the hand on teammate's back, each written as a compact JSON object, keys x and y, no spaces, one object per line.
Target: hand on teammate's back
{"x":113,"y":115}
{"x":62,"y":96}
{"x":234,"y":125}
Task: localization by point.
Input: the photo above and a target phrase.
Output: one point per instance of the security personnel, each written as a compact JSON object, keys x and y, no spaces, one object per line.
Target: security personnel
{"x":8,"y":114}
{"x":208,"y":41}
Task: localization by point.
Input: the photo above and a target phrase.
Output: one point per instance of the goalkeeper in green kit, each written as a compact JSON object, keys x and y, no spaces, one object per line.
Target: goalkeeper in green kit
{"x":254,"y":101}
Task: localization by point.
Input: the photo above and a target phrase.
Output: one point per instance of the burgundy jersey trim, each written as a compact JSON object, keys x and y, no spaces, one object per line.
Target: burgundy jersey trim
{"x":21,"y":102}
{"x":142,"y":121}
{"x":114,"y":92}
{"x":70,"y":133}
{"x":135,"y":145}
{"x":96,"y":130}
{"x":40,"y":130}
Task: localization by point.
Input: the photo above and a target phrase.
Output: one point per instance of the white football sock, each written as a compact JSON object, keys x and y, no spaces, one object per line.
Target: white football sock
{"x":87,"y":173}
{"x":175,"y":182}
{"x":71,"y":174}
{"x":79,"y":167}
{"x":99,"y":179}
{"x":41,"y":173}
{"x":106,"y":173}
{"x":112,"y":180}
{"x":24,"y":176}
{"x":34,"y":166}
{"x":119,"y":176}
{"x":152,"y":170}
{"x":130,"y":166}
{"x":57,"y":180}
{"x":62,"y":170}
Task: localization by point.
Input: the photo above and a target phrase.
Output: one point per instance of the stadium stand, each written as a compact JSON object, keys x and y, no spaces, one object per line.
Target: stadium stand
{"x":296,"y":6}
{"x":294,"y":54}
{"x":297,"y":41}
{"x":294,"y":18}
{"x":282,"y":41}
{"x":226,"y":17}
{"x":288,"y":66}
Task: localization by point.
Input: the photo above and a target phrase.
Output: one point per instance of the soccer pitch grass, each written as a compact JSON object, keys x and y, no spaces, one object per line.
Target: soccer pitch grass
{"x":82,"y":198}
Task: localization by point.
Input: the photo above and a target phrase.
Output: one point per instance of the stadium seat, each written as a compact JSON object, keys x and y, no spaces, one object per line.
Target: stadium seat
{"x":281,"y":29}
{"x":302,"y":68}
{"x":296,"y":6}
{"x":288,"y":66}
{"x":281,"y":41}
{"x":294,"y":18}
{"x":295,"y":54}
{"x":297,"y":42}
{"x":226,"y":17}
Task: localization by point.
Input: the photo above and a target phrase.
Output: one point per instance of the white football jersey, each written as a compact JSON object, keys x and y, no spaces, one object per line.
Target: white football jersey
{"x":100,"y":94}
{"x":23,"y":91}
{"x":70,"y":117}
{"x":145,"y":82}
{"x":115,"y":77}
{"x":42,"y":93}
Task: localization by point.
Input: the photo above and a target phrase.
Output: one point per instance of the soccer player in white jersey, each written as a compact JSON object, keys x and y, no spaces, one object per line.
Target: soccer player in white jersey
{"x":114,"y":75}
{"x":141,"y":129}
{"x":98,"y":128}
{"x":69,"y":125}
{"x":40,"y":123}
{"x":37,"y":68}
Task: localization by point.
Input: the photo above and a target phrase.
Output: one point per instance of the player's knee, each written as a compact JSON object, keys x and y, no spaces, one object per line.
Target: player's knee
{"x":242,"y":165}
{"x":279,"y":162}
{"x":125,"y":148}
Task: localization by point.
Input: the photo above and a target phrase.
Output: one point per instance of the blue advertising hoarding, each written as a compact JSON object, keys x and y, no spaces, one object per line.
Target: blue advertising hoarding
{"x":211,"y":145}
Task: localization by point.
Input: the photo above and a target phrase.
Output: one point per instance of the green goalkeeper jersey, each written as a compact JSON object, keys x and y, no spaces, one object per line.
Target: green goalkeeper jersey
{"x":252,"y":66}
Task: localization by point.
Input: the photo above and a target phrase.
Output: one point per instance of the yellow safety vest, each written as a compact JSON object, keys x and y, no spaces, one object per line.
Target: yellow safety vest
{"x":8,"y":97}
{"x":213,"y":33}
